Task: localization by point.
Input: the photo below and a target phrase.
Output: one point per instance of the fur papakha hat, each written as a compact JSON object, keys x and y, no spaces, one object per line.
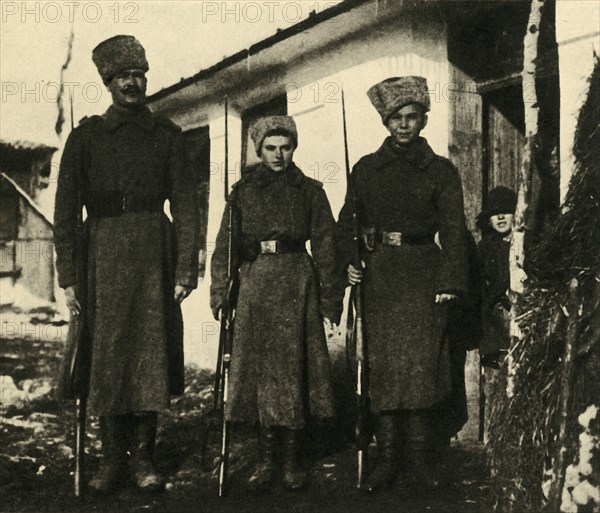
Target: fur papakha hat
{"x":118,"y":53}
{"x":262,"y":126}
{"x":394,"y":93}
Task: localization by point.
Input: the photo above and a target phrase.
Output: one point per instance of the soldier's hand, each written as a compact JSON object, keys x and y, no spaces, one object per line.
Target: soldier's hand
{"x":354,"y":275}
{"x":181,"y":292}
{"x":444,"y":298}
{"x":216,"y":311}
{"x":72,"y":303}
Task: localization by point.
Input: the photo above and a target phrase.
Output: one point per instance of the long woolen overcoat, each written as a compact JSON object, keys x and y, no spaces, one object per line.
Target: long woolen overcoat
{"x":280,"y":370}
{"x":133,"y":260}
{"x":417,"y":193}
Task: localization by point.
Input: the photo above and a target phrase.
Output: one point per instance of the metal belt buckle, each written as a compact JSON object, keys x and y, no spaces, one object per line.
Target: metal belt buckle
{"x":268,"y":247}
{"x":392,"y":238}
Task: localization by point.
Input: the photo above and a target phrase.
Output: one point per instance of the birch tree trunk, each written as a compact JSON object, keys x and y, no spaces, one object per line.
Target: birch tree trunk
{"x":524,"y":177}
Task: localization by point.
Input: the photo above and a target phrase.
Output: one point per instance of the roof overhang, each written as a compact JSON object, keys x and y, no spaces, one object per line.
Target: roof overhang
{"x":267,"y":61}
{"x":28,"y":199}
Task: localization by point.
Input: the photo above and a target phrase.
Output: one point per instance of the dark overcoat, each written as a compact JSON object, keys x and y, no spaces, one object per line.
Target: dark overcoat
{"x":495,"y":304}
{"x":133,"y":259}
{"x":280,"y":370}
{"x":417,"y":193}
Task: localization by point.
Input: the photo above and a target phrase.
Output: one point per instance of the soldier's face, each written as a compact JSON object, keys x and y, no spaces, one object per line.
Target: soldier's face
{"x":128,"y":88}
{"x":406,"y":123}
{"x":277,"y":152}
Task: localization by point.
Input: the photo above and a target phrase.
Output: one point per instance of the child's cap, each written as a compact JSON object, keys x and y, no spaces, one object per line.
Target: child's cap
{"x":501,"y":200}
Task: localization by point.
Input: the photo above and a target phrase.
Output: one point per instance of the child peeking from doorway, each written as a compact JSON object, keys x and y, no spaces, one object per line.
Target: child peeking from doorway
{"x":495,"y":222}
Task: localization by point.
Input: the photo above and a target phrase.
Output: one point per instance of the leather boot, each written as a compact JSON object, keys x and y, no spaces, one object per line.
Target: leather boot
{"x":262,"y":478}
{"x":384,"y":472}
{"x":294,"y":476}
{"x":423,"y":454}
{"x":141,"y":447}
{"x":114,"y":454}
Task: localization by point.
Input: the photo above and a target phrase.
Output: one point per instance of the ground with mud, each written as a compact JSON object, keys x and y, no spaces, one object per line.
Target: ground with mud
{"x":36,"y":459}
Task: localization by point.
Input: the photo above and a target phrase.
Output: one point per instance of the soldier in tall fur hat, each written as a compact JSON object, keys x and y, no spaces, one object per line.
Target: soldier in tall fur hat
{"x":280,"y":371}
{"x":405,"y":194}
{"x":122,"y":166}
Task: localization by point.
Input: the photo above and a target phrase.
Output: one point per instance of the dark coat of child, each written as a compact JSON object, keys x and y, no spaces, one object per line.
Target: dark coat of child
{"x":494,"y":247}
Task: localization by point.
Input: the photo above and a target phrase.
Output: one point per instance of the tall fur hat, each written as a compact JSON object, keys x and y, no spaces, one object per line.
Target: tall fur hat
{"x":118,"y":53}
{"x":262,"y":126}
{"x":394,"y":93}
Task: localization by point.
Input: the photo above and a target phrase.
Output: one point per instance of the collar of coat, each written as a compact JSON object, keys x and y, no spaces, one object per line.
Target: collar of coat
{"x":263,"y":176}
{"x":418,"y":154}
{"x":115,"y":117}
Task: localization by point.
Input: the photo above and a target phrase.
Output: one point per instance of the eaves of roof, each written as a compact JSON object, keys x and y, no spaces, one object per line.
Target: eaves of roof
{"x":27,"y":198}
{"x":281,"y":35}
{"x":27,"y":146}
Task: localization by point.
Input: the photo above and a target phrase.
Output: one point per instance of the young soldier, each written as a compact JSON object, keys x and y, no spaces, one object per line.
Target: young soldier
{"x":280,"y":370}
{"x":122,"y":166}
{"x":405,"y":195}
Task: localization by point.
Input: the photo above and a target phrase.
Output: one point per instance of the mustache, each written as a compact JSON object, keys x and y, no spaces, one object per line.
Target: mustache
{"x":131,"y":89}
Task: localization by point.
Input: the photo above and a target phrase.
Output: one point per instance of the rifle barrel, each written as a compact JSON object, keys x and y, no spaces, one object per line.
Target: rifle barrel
{"x":346,"y":158}
{"x":226,"y":164}
{"x":225,"y":345}
{"x":71,"y":108}
{"x":361,"y":369}
{"x":77,"y":327}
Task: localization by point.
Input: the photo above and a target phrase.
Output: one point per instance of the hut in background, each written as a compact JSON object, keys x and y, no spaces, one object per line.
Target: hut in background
{"x":26,"y":235}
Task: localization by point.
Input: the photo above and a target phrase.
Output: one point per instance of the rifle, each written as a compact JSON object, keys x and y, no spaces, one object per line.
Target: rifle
{"x":226,"y":333}
{"x":355,"y":332}
{"x":77,"y":340}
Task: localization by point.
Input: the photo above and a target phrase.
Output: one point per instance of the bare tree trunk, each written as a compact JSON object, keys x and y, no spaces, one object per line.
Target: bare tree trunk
{"x":517,"y":246}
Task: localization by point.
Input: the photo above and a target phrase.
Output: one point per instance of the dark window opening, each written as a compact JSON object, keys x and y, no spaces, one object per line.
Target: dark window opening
{"x":198,"y":149}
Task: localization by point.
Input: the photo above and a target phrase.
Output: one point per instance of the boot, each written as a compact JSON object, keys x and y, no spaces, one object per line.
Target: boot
{"x":114,"y":454}
{"x":294,"y":476}
{"x":262,"y":478}
{"x":384,"y":472}
{"x":141,"y":446}
{"x":423,"y":454}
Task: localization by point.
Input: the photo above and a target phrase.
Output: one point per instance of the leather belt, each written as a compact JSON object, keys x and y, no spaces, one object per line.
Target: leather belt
{"x":117,"y":203}
{"x":399,"y":239}
{"x":276,"y":247}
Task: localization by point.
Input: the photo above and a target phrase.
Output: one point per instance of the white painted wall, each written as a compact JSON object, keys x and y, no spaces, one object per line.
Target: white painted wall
{"x":578,"y":37}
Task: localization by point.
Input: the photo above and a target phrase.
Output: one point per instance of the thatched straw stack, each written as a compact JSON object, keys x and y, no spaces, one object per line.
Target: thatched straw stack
{"x":523,"y":432}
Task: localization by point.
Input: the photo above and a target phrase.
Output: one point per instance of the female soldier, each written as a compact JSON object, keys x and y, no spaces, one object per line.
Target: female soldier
{"x":280,"y":365}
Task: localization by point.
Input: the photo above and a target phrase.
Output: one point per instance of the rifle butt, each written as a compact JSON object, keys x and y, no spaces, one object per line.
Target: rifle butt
{"x":361,"y":399}
{"x":80,"y":412}
{"x":361,"y":464}
{"x":224,"y":435}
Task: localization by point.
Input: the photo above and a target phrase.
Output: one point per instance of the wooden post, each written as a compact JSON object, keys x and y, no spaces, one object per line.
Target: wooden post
{"x":566,"y":381}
